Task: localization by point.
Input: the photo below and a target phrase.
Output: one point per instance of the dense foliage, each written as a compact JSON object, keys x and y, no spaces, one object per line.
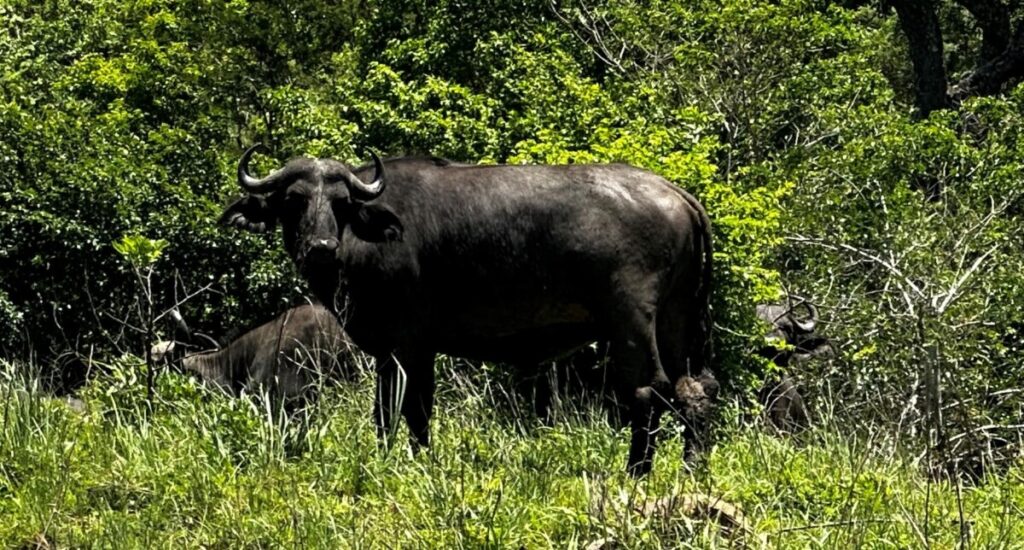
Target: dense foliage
{"x":793,"y":121}
{"x":127,"y":119}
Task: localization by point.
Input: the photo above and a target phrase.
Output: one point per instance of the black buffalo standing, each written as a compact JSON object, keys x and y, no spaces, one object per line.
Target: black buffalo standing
{"x":512,"y":264}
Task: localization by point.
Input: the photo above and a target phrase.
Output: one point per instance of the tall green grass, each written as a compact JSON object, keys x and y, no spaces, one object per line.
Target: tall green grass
{"x":200,"y":469}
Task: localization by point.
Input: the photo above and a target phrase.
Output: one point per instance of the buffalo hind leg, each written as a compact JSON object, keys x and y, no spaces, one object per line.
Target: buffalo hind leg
{"x":642,"y":383}
{"x":682,"y":341}
{"x":645,"y":421}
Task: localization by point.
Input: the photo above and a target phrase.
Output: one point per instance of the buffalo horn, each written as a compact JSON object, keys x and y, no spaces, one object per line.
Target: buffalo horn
{"x":180,"y":326}
{"x":808,"y":324}
{"x":373,"y":189}
{"x":256,"y":185}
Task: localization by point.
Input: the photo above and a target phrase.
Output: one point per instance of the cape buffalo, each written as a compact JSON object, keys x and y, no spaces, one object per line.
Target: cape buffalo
{"x":511,"y":264}
{"x":288,"y":356}
{"x":784,"y":406}
{"x":796,"y":333}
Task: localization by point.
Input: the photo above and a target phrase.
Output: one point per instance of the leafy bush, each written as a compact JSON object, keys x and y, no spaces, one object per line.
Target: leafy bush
{"x":140,"y":131}
{"x":934,"y":284}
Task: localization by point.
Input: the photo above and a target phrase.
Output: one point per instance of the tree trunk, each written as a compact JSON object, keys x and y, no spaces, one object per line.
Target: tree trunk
{"x":993,"y":18}
{"x":990,"y":77}
{"x":920,"y":23}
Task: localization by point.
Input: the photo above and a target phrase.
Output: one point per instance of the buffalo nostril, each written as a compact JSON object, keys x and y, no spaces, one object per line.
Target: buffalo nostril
{"x":322,"y":250}
{"x":325,"y":244}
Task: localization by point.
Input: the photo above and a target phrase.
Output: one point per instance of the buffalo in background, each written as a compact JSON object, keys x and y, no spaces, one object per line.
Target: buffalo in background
{"x":796,"y":335}
{"x":290,"y":357}
{"x":790,"y":341}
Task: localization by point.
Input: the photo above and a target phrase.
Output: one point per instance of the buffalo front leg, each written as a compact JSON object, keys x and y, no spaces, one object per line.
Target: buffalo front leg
{"x":540,"y":387}
{"x":390,"y":392}
{"x":405,"y":381}
{"x":645,"y":420}
{"x":418,"y":405}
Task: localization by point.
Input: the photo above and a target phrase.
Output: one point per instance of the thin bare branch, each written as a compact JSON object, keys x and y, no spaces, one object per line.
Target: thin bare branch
{"x":889,"y":266}
{"x":986,"y":428}
{"x":179,"y":303}
{"x":954,"y":291}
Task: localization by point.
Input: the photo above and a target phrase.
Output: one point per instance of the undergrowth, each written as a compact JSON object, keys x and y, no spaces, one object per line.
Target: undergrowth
{"x":198,"y":469}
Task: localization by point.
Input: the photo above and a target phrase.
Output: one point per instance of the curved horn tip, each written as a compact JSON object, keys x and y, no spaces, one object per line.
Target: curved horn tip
{"x":374,"y":188}
{"x":378,"y":166}
{"x":257,"y":147}
{"x":248,"y":153}
{"x":811,"y":309}
{"x":249,"y":183}
{"x":809,"y":324}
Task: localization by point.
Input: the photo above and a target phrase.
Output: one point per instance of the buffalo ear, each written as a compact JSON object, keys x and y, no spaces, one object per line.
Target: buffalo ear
{"x":376,"y":223}
{"x":251,"y":213}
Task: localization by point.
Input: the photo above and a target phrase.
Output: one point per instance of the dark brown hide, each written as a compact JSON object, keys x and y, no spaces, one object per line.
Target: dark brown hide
{"x":510,"y":264}
{"x":289,"y":357}
{"x":784,"y":407}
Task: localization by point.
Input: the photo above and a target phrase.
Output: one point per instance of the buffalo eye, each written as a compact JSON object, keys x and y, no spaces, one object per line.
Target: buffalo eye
{"x":340,"y":207}
{"x":294,"y":201}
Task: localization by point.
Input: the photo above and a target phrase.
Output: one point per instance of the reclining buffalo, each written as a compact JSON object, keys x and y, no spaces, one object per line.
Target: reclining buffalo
{"x":289,"y":357}
{"x":510,"y":264}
